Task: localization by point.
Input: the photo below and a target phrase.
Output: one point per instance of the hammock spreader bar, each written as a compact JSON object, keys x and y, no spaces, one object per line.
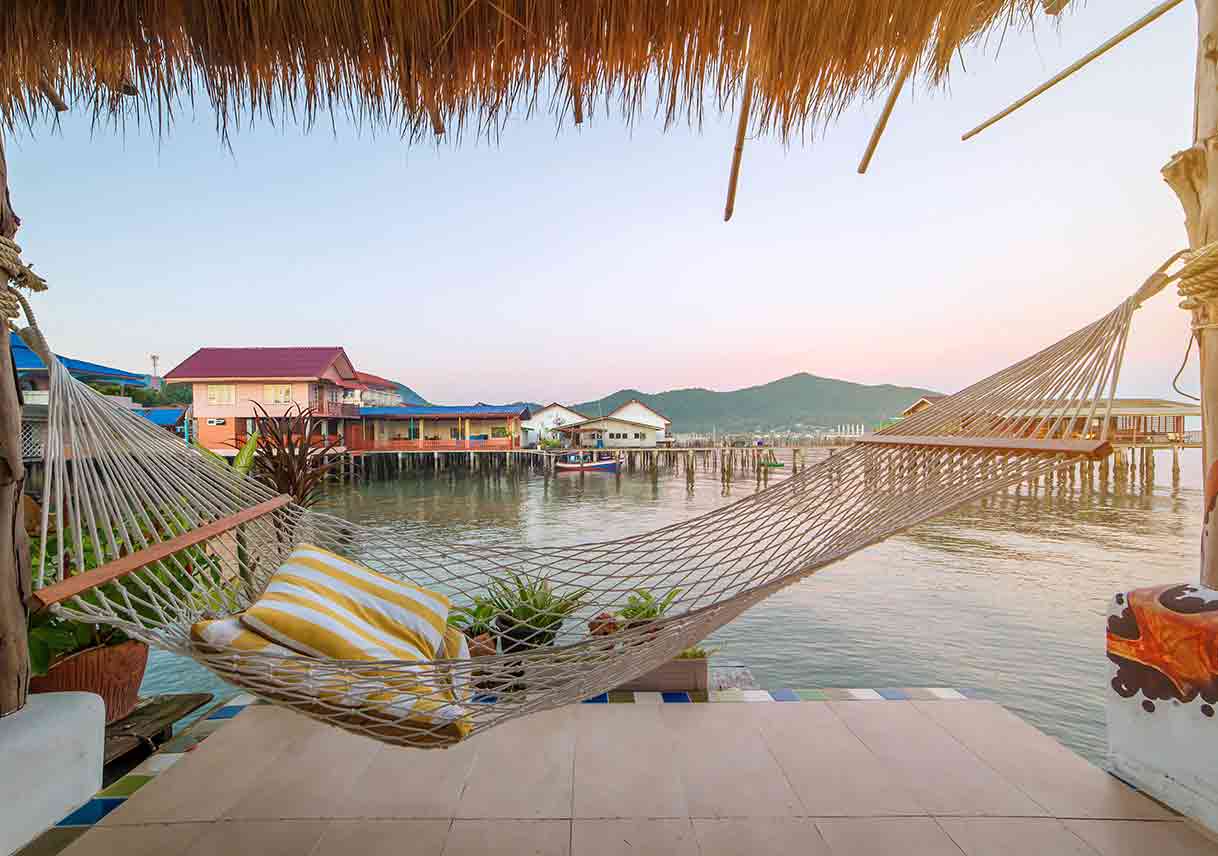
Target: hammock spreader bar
{"x":132,"y":562}
{"x":1095,"y":449}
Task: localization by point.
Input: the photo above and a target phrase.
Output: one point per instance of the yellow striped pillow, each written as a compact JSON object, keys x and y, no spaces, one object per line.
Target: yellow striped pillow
{"x":230,"y":633}
{"x":323,"y":605}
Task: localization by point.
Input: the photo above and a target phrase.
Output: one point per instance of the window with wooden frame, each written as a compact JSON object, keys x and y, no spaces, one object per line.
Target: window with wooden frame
{"x":277,"y":393}
{"x":221,"y":393}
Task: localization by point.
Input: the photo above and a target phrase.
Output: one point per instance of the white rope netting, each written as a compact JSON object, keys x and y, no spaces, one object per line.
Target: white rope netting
{"x":116,"y":484}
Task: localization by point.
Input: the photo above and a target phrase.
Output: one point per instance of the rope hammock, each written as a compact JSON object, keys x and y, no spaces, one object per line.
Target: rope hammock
{"x":143,"y":533}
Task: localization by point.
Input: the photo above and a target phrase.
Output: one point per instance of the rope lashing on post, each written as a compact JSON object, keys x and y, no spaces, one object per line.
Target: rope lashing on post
{"x":20,"y":275}
{"x":1198,"y":276}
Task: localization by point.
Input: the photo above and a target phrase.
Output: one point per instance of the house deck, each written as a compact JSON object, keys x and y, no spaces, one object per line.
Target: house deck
{"x":812,"y":777}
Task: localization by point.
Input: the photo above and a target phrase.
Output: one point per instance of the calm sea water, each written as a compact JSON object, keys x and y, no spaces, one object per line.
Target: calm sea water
{"x":1007,"y":596}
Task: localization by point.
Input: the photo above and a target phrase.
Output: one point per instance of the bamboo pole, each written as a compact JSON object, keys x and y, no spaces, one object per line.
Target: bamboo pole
{"x":1149,"y":17}
{"x":14,"y":548}
{"x":882,"y":122}
{"x":738,"y":152}
{"x":1193,"y":175}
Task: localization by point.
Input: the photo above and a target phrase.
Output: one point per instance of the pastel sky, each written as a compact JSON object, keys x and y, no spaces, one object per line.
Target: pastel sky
{"x":568,"y":265}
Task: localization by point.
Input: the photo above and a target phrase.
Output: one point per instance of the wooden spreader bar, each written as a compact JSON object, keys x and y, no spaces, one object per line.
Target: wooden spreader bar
{"x":119,"y":568}
{"x":1091,"y":448}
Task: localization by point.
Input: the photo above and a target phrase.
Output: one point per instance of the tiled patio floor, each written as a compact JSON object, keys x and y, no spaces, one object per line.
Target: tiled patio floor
{"x":815,"y":777}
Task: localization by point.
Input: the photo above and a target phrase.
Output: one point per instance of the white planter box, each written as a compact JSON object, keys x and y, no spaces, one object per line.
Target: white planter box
{"x":673,"y":677}
{"x":52,"y":750}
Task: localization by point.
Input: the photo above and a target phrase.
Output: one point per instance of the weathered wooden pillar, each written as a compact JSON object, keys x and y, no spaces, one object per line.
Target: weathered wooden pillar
{"x":14,"y":550}
{"x":1193,"y":175}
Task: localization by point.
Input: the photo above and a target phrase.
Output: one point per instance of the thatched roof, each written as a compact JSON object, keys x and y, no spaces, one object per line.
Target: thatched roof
{"x":420,"y":66}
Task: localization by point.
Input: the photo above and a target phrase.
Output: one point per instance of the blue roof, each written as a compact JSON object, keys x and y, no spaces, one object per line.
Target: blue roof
{"x":451,"y":411}
{"x":27,"y":361}
{"x":166,"y":417}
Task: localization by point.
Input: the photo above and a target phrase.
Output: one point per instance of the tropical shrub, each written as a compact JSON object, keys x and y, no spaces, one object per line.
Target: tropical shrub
{"x":292,"y":457}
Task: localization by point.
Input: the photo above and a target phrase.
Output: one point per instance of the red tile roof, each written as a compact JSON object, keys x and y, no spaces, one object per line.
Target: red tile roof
{"x":375,"y":380}
{"x":257,"y":363}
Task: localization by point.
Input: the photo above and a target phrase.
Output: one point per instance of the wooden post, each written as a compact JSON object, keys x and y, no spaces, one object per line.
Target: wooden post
{"x":1193,"y":175}
{"x":14,"y":549}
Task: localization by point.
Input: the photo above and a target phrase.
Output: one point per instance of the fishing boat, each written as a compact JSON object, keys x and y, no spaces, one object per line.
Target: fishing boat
{"x":587,"y":463}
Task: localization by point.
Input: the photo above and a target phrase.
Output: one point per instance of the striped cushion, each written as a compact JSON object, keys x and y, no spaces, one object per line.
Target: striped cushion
{"x":323,"y":605}
{"x":230,"y":633}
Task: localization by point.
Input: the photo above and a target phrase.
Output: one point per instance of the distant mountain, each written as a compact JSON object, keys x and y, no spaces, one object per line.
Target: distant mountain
{"x":799,"y":401}
{"x":409,"y":396}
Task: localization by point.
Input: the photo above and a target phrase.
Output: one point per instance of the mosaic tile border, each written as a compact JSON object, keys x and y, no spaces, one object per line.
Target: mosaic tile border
{"x":108,"y":799}
{"x":111,"y":797}
{"x":785,"y":694}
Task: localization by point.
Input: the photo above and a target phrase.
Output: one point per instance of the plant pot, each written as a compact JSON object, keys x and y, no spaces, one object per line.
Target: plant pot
{"x":113,"y":672}
{"x":675,"y":676}
{"x":482,"y":645}
{"x":605,"y":624}
{"x":518,"y":638}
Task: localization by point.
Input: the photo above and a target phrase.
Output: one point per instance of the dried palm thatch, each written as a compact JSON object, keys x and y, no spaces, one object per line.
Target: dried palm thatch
{"x":434,"y":66}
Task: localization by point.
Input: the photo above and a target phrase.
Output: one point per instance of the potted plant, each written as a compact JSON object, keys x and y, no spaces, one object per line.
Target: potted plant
{"x":69,"y":655}
{"x":688,"y":671}
{"x":477,"y":622}
{"x":643,"y":607}
{"x":528,"y":612}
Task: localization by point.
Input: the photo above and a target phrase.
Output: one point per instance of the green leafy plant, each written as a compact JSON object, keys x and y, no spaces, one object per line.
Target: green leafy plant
{"x":528,"y":612}
{"x":190,"y":571}
{"x":697,"y":652}
{"x":643,"y":606}
{"x":476,"y":619}
{"x":242,"y":464}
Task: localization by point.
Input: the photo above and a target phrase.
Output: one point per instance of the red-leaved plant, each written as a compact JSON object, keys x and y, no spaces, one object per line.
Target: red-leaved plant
{"x":293,"y":457}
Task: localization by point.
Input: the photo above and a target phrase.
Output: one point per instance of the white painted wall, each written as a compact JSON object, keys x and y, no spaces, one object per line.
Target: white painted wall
{"x":636,"y":411}
{"x":611,"y":427}
{"x":545,"y":420}
{"x":51,"y":753}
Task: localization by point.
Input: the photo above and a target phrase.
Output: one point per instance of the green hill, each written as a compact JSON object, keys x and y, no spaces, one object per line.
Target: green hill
{"x":409,"y":396}
{"x":801,"y":400}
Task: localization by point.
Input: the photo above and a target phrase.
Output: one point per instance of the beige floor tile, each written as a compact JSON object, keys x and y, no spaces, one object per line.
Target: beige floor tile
{"x":1060,"y":780}
{"x":404,"y":783}
{"x":1143,"y":838}
{"x":725,"y":765}
{"x":261,"y":837}
{"x":509,"y":838}
{"x":220,"y":772}
{"x":383,"y":838}
{"x":790,"y":836}
{"x":305,"y":779}
{"x":831,"y":770}
{"x":523,"y":768}
{"x":622,"y":766}
{"x":944,"y":776}
{"x":1013,"y":836}
{"x":152,"y":840}
{"x":636,"y":837}
{"x":886,"y":836}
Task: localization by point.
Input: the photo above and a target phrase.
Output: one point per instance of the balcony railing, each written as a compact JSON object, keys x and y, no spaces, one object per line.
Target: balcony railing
{"x":335,"y":408}
{"x":492,"y":443}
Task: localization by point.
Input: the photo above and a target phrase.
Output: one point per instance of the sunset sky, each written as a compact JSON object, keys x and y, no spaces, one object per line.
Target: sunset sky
{"x":566,"y":265}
